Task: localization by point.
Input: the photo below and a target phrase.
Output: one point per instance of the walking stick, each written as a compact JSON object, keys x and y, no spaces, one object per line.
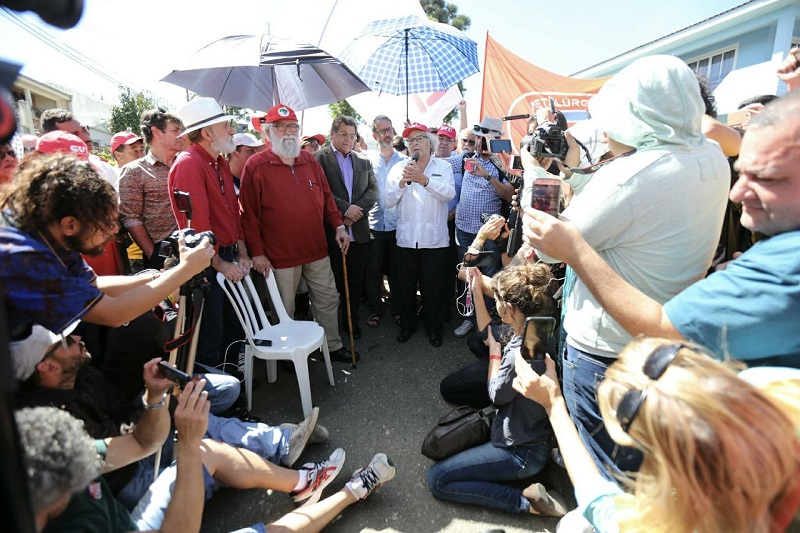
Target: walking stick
{"x":349,"y":316}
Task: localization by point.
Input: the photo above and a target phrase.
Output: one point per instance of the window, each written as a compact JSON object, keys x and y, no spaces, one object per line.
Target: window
{"x":714,"y":66}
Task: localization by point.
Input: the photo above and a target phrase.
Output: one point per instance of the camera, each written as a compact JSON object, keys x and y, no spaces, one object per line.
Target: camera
{"x":169,"y":247}
{"x":547,"y":140}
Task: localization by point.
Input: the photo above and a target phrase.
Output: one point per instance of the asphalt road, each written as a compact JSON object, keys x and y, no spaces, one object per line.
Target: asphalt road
{"x":387,"y":404}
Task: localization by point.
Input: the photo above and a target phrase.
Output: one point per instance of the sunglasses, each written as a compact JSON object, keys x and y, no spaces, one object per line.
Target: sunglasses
{"x":479,"y":129}
{"x":654,"y":367}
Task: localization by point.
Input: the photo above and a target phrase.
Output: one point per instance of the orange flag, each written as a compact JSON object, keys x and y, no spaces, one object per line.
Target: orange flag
{"x":512,"y":86}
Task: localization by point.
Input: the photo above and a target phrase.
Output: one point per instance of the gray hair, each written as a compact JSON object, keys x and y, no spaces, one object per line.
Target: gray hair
{"x":431,"y":137}
{"x":60,"y":458}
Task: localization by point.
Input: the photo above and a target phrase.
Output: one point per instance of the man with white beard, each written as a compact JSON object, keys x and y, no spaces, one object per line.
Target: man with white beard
{"x":286,"y":201}
{"x":203,"y":172}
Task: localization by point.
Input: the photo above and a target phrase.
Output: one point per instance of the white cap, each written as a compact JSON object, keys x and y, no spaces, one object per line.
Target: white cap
{"x":245,"y":139}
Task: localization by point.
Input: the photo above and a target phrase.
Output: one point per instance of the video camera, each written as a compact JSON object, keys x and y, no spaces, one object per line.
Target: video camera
{"x":169,"y":247}
{"x":547,"y":140}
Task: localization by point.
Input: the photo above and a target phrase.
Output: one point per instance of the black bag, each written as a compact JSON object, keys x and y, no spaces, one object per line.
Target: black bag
{"x":458,"y":430}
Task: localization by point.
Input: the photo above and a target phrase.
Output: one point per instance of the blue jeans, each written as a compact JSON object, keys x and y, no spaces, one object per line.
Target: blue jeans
{"x":270,"y":443}
{"x":223,"y":389}
{"x":583,"y":373}
{"x":472,"y":475}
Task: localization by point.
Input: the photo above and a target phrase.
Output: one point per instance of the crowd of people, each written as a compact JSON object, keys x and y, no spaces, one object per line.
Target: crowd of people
{"x":673,"y":266}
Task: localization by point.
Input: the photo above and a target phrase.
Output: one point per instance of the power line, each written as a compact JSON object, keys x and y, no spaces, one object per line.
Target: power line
{"x":34,"y":29}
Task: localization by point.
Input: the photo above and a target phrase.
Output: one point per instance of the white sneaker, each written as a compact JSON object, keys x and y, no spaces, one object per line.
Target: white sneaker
{"x":320,"y":476}
{"x":464,"y":329}
{"x":300,"y":436}
{"x":365,"y":480}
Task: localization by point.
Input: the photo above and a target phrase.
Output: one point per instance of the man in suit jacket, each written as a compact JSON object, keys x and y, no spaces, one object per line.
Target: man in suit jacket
{"x":355,"y":191}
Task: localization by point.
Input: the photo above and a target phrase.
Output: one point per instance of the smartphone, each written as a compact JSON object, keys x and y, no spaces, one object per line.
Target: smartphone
{"x":538,"y":337}
{"x":183,"y":201}
{"x":516,"y":163}
{"x":500,"y":145}
{"x":469,"y":165}
{"x":485,"y":217}
{"x":480,"y":260}
{"x":547,"y":195}
{"x":742,"y":116}
{"x":179,"y":377}
{"x":262,"y":342}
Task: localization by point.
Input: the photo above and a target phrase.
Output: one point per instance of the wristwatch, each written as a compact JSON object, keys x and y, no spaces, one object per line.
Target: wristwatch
{"x":153,"y":406}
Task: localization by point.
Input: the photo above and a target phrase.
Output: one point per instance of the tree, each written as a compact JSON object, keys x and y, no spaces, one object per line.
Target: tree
{"x":126,"y":115}
{"x":446,"y":13}
{"x":344,"y":108}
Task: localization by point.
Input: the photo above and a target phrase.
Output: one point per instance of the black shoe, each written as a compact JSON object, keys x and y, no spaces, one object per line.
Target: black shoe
{"x":435,"y":339}
{"x":342,"y":355}
{"x":356,"y":332}
{"x":403,"y":335}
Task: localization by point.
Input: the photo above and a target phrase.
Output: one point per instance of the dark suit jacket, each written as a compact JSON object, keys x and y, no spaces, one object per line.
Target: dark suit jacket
{"x":365,"y":188}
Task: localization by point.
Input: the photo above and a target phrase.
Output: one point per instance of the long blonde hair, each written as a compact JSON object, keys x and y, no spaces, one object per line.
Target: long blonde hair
{"x":718,"y":454}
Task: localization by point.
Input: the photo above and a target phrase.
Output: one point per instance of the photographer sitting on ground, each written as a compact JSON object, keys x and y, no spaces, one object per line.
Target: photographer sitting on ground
{"x":520,"y":436}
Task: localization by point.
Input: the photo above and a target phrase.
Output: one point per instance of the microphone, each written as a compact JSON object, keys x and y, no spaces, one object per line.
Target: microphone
{"x":517,"y":117}
{"x":415,"y":157}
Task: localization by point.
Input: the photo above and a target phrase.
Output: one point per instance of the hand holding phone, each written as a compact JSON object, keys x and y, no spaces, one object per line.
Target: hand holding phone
{"x":480,"y":259}
{"x":537,"y":337}
{"x":179,"y":377}
{"x":500,"y":145}
{"x":547,"y":196}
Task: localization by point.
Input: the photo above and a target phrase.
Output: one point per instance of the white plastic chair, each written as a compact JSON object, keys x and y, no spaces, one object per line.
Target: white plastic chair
{"x":291,"y":340}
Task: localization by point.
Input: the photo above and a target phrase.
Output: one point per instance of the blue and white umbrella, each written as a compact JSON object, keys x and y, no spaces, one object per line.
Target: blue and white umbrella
{"x":411,"y":55}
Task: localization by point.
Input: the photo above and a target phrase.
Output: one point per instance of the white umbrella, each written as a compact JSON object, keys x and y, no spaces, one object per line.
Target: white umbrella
{"x":258,"y":71}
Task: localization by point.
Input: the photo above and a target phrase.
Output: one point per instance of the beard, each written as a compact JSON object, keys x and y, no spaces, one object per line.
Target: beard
{"x":78,"y":244}
{"x":287,"y":147}
{"x":223,"y":144}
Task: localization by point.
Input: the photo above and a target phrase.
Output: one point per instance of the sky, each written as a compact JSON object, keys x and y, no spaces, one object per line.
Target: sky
{"x":140,"y":42}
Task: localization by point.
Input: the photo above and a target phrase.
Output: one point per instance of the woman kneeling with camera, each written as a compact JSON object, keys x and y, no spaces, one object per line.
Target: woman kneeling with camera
{"x":521,"y":434}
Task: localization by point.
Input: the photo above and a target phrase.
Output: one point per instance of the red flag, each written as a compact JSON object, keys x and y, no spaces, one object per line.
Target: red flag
{"x":512,"y":86}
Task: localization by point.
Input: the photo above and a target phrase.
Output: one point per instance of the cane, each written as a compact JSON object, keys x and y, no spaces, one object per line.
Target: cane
{"x":349,"y":316}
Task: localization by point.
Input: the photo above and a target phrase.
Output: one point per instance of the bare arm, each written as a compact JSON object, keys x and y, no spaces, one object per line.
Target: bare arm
{"x":475,"y":280}
{"x":152,"y":429}
{"x":124,"y":305}
{"x":728,"y":138}
{"x":636,"y":312}
{"x":185,"y":510}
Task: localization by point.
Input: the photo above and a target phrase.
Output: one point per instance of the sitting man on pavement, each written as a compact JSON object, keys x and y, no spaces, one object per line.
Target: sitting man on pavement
{"x":67,"y":493}
{"x":56,"y":209}
{"x":286,"y":202}
{"x":484,"y":187}
{"x":654,"y":214}
{"x":420,"y":187}
{"x":352,"y":183}
{"x":58,"y":376}
{"x":746,"y":311}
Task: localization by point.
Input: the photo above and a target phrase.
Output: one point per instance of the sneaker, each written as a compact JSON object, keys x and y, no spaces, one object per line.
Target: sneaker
{"x":365,"y":480}
{"x":464,"y":329}
{"x":545,"y":503}
{"x":319,"y":476}
{"x":320,"y":435}
{"x":299,"y":437}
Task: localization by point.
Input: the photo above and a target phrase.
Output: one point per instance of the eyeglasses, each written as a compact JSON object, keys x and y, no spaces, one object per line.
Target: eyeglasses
{"x":66,"y":342}
{"x":412,"y":140}
{"x":7,"y":152}
{"x":344,"y":135}
{"x":444,"y":139}
{"x":384,"y":131}
{"x":654,"y":367}
{"x":470,"y":142}
{"x":219,"y":177}
{"x":293,"y":128}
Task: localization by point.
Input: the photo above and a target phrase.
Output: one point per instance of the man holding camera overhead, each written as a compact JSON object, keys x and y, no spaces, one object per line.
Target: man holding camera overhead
{"x":483,"y":190}
{"x":204,"y":173}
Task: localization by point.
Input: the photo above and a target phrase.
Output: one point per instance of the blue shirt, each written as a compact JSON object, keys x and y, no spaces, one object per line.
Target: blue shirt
{"x":382,"y":218}
{"x":43,"y":283}
{"x":346,"y":166}
{"x":455,"y":161}
{"x":477,"y":197}
{"x":750,"y":310}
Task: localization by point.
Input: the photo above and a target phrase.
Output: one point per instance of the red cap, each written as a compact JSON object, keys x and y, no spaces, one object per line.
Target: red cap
{"x":415,"y":126}
{"x":123,"y":137}
{"x":319,"y":137}
{"x":280,"y":112}
{"x":447,"y":130}
{"x":61,"y":141}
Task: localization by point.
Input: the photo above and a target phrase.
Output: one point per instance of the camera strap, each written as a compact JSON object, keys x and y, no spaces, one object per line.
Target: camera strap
{"x":597,"y":166}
